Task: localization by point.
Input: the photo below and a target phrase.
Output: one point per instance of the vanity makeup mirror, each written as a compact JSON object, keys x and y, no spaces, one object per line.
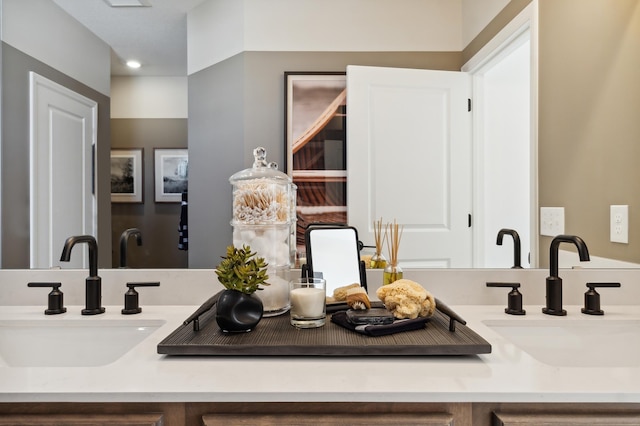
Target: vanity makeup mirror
{"x":333,"y":254}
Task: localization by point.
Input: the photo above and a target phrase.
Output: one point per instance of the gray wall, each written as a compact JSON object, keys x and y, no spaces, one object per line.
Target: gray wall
{"x":238,"y":104}
{"x":158,"y":222}
{"x":15,"y":156}
{"x":216,"y":151}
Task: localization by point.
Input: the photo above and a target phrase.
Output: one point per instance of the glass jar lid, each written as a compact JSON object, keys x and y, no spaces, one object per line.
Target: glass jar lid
{"x":262,"y":194}
{"x":261,"y":169}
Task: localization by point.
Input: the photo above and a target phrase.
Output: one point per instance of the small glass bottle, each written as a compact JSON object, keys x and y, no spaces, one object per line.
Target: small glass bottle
{"x":378,"y":261}
{"x":391,"y":274}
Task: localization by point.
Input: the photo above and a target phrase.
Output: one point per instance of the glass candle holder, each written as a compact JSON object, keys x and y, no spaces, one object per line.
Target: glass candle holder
{"x":308,"y":302}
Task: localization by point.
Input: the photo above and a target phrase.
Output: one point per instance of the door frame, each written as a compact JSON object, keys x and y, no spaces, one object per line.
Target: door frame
{"x":497,"y":47}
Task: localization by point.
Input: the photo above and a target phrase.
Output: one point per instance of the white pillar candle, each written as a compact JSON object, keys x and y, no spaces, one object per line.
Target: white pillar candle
{"x":307,"y":302}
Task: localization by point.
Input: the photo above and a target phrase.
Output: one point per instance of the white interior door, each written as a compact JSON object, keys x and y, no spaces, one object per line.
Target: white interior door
{"x":504,"y":141}
{"x":409,"y":158}
{"x":63,"y":131}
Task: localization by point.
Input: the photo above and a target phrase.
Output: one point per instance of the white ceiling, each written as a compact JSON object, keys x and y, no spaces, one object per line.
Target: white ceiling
{"x":156,"y":35}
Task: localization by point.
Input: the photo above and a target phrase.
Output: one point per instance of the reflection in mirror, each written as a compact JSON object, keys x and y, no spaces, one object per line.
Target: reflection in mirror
{"x":333,"y":254}
{"x":516,"y":245}
{"x":124,"y":243}
{"x":599,"y":97}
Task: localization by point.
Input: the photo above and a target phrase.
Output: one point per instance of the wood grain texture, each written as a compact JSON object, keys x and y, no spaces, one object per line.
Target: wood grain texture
{"x":82,"y":419}
{"x":617,"y":419}
{"x":276,"y":337}
{"x":317,"y":413}
{"x":436,"y":419}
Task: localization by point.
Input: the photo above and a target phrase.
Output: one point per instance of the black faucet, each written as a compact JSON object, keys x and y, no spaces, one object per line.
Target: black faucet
{"x":124,"y":242}
{"x":93,"y":283}
{"x":554,"y":282}
{"x":516,"y":245}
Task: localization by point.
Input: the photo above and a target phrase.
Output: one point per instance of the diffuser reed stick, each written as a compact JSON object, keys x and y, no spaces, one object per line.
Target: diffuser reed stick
{"x":377,"y":260}
{"x":393,"y":234}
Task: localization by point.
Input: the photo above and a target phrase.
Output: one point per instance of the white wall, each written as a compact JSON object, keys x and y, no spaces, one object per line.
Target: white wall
{"x":476,"y":14}
{"x":219,"y":29}
{"x":215,"y":32}
{"x":42,"y":30}
{"x":149,"y":97}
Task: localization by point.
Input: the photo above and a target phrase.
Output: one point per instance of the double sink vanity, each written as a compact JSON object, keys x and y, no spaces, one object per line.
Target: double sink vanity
{"x":573,"y":369}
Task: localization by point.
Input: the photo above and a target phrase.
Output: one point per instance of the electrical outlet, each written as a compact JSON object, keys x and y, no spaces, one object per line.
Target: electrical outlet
{"x":619,"y":217}
{"x":551,"y":221}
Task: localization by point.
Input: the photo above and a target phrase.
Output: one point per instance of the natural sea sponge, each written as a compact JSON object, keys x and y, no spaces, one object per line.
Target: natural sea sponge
{"x":407,"y":299}
{"x":340,"y":293}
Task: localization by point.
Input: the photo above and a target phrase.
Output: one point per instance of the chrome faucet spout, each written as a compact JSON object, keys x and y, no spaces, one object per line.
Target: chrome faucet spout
{"x":124,"y":243}
{"x":554,"y":282}
{"x":516,"y":245}
{"x":93,"y":283}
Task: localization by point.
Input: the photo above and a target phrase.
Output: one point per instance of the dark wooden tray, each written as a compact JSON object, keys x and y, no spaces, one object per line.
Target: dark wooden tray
{"x":276,"y":337}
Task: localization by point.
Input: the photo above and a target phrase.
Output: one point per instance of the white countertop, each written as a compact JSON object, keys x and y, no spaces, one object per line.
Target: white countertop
{"x":508,"y":374}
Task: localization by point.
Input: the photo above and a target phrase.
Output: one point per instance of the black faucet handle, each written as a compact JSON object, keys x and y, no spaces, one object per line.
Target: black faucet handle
{"x":514,"y":298}
{"x":56,"y":298}
{"x":131,"y":297}
{"x":592,"y":298}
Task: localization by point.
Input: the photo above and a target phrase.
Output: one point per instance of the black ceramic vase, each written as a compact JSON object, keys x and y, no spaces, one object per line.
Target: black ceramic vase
{"x":238,"y":312}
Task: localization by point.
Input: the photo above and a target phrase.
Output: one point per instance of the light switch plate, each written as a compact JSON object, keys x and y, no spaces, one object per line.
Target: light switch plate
{"x":551,"y":221}
{"x":619,"y":219}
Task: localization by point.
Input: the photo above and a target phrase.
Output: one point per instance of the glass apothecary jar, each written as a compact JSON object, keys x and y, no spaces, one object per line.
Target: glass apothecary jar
{"x":263,"y":216}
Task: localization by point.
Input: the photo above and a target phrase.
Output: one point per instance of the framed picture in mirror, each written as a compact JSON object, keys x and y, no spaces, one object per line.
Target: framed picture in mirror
{"x":127,"y":175}
{"x":171,"y":174}
{"x":316,"y":155}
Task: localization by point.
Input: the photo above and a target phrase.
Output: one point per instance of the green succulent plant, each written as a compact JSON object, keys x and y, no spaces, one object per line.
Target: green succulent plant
{"x":241,"y":271}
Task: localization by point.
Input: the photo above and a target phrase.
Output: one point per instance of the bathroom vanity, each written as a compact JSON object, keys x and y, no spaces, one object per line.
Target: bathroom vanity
{"x":577,"y":369}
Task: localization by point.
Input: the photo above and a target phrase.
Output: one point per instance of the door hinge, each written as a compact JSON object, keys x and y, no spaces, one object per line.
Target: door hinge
{"x":469,"y":104}
{"x":469,"y":219}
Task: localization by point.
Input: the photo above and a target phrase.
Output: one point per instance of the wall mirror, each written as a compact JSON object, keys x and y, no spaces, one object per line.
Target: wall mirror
{"x":568,"y":132}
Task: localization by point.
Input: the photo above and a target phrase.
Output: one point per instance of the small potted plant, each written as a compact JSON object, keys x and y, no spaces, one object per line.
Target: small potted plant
{"x":242,"y":274}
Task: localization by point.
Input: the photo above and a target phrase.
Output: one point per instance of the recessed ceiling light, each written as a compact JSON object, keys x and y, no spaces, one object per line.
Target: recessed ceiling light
{"x":128,"y":3}
{"x":133,"y":64}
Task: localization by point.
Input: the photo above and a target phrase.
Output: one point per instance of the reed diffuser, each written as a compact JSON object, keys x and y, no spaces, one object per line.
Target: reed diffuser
{"x":393,"y":234}
{"x":378,"y":261}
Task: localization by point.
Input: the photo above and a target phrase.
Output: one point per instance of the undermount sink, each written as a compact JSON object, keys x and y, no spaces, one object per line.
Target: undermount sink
{"x":563,"y":342}
{"x":85,"y":342}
